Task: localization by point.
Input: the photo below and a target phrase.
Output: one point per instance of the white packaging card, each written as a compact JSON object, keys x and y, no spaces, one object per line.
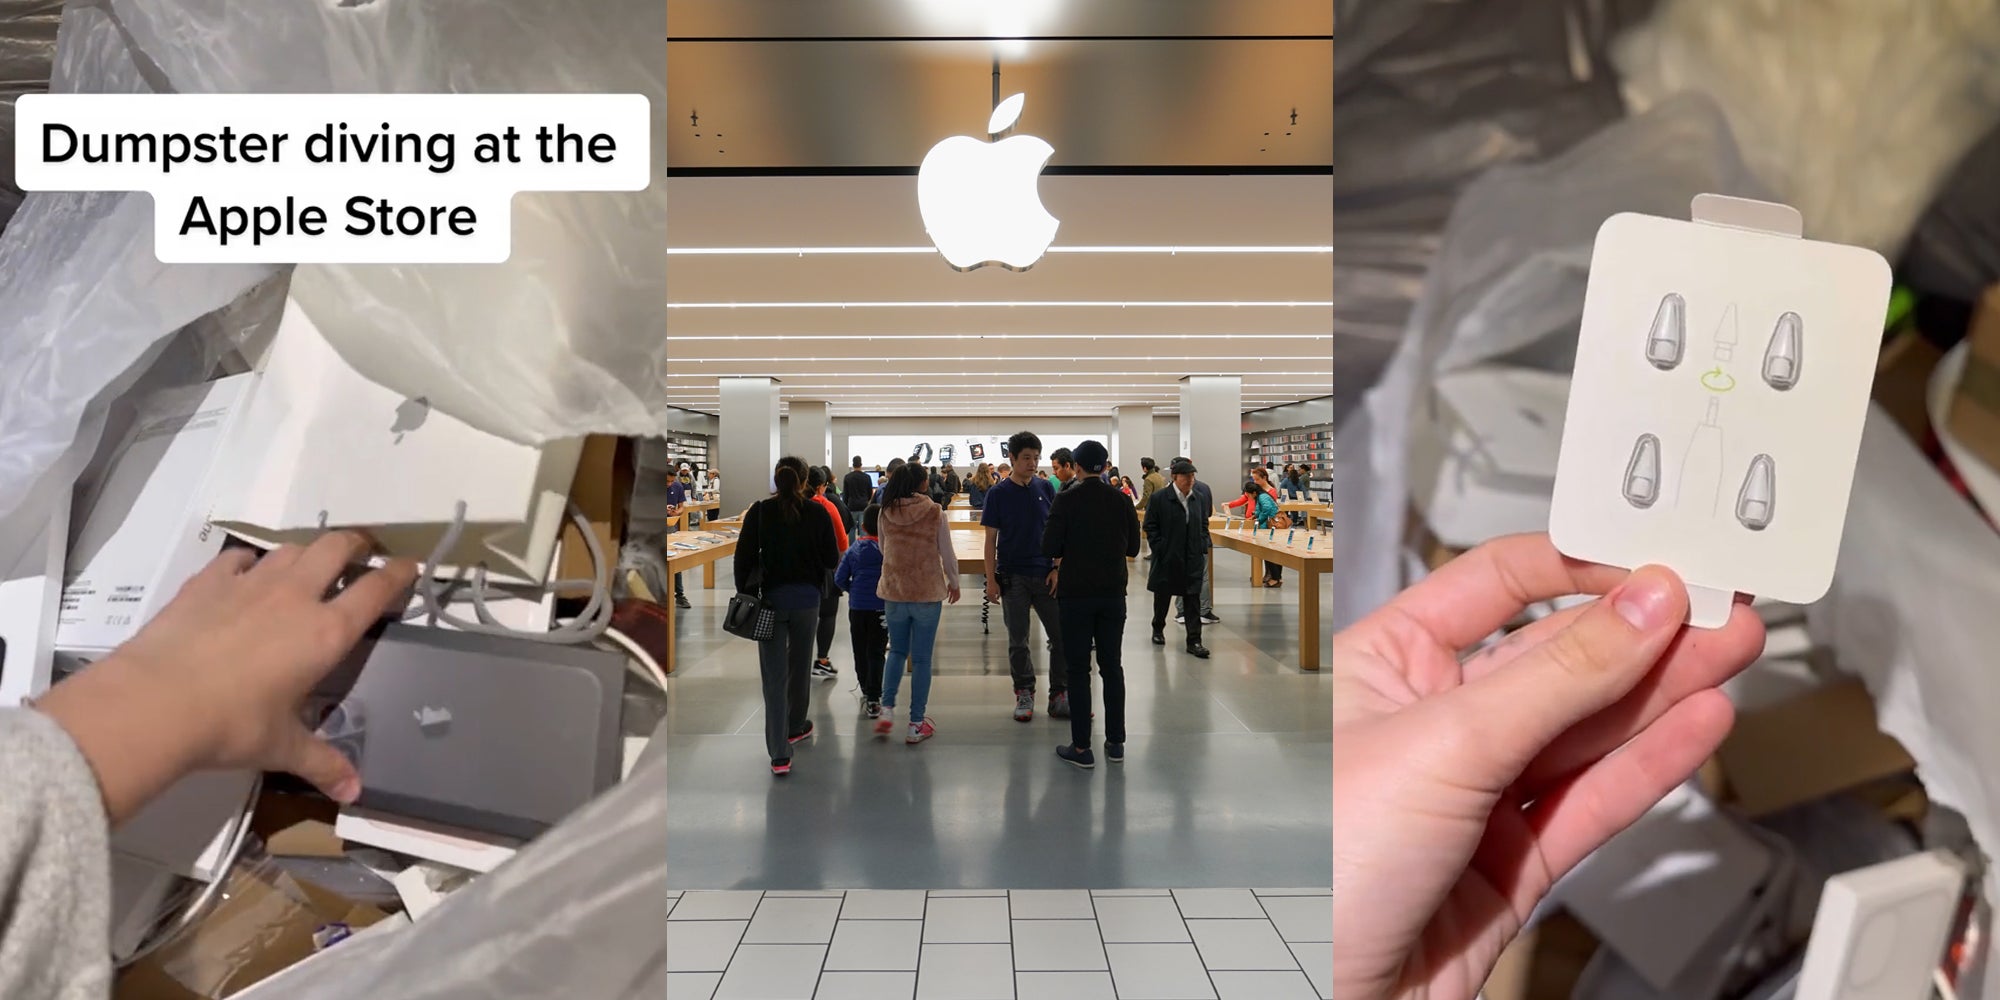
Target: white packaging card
{"x":326,"y":447}
{"x":1721,"y":382}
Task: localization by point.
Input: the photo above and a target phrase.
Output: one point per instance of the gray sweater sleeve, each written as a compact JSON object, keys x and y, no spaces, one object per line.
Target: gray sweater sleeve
{"x":55,"y":869}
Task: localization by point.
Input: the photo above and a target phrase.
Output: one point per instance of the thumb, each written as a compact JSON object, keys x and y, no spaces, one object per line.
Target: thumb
{"x":325,"y":768}
{"x":1514,"y":713}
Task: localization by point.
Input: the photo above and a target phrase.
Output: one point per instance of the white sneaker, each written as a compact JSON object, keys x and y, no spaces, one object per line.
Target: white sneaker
{"x":921,"y":731}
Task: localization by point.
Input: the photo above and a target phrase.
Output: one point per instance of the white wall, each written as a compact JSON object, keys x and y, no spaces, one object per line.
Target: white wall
{"x":1046,"y":427}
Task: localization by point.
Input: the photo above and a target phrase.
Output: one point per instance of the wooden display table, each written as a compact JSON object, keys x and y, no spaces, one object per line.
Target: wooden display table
{"x":1308,"y":561}
{"x":708,"y":549}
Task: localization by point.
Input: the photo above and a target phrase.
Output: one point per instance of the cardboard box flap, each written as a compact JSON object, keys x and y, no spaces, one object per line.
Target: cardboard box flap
{"x":1808,"y":748}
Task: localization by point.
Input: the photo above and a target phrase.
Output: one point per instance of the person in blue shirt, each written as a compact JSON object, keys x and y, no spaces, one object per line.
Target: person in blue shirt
{"x":1016,"y":511}
{"x":859,"y":572}
{"x":677,"y":498}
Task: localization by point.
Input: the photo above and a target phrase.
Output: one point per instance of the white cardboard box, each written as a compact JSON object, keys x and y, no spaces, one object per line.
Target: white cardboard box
{"x":326,"y":447}
{"x":188,"y":828}
{"x":473,"y":852}
{"x":30,"y":596}
{"x":145,"y":529}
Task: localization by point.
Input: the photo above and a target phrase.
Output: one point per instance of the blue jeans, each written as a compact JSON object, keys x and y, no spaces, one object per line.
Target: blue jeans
{"x":912,"y":633}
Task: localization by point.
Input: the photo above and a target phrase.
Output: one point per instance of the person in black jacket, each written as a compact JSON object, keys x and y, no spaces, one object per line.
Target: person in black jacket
{"x":784,"y":552}
{"x":1177,"y":529}
{"x":857,"y":491}
{"x":1092,"y":530}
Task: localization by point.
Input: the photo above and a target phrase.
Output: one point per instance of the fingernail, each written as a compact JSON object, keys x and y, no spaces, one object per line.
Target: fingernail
{"x":1645,"y":600}
{"x":347,"y":791}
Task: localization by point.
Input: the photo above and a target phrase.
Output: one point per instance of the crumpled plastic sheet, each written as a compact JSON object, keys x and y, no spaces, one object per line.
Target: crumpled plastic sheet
{"x":1911,"y":612}
{"x":1508,"y":285}
{"x":87,"y":305}
{"x":1430,"y":94}
{"x":1852,"y":110}
{"x":563,"y":339}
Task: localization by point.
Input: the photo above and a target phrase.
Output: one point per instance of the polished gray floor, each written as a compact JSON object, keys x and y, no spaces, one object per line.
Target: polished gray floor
{"x":1228,"y":780}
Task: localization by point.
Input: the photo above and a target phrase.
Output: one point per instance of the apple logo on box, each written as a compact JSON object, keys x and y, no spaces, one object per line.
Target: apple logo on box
{"x":410,"y":415}
{"x":979,"y":199}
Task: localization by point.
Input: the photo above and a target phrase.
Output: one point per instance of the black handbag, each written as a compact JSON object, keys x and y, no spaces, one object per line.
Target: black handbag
{"x":748,"y":616}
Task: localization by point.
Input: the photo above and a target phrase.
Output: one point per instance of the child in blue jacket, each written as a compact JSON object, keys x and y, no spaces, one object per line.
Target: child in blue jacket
{"x":859,"y":572}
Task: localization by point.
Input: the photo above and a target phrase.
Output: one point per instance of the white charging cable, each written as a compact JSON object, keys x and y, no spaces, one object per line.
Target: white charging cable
{"x":586,"y":627}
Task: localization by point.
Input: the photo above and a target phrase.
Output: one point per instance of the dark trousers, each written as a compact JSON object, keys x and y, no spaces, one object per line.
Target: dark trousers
{"x":1020,"y":593}
{"x":829,"y":617}
{"x":871,"y":645}
{"x":679,"y":591}
{"x":785,"y":660}
{"x":1274,"y":571}
{"x":1162,"y":603}
{"x":1099,"y":622}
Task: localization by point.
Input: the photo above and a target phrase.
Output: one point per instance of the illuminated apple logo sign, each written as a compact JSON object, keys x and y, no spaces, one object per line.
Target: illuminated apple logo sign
{"x":979,"y":199}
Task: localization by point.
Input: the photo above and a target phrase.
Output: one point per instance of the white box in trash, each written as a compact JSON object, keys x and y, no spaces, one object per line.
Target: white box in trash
{"x":1715,"y":413}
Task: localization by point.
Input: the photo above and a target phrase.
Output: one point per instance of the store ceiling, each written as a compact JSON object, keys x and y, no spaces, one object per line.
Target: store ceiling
{"x":872,"y":84}
{"x":900,"y":334}
{"x":1156,"y":110}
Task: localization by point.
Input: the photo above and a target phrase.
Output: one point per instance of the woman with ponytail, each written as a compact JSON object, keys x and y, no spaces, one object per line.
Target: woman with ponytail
{"x":784,"y":552}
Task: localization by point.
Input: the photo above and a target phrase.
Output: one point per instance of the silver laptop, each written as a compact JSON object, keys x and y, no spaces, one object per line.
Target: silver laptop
{"x":485,"y":733}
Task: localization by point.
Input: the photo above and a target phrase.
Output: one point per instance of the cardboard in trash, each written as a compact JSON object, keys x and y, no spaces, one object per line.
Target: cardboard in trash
{"x":1975,"y":408}
{"x":258,"y":929}
{"x":1811,"y":747}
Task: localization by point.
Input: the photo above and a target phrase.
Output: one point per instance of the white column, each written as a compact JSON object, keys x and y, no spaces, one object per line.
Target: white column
{"x":1212,"y":431}
{"x":1132,"y":438}
{"x":748,"y":442}
{"x":809,"y":433}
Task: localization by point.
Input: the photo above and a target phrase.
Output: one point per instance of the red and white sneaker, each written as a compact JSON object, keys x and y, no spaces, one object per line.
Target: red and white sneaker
{"x":921,"y":731}
{"x":886,"y":723}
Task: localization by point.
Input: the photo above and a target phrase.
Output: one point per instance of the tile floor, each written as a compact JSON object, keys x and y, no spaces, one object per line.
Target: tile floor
{"x":1228,"y":780}
{"x":1115,"y":944}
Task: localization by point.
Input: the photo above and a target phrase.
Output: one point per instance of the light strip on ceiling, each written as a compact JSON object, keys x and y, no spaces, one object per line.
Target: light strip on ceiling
{"x":847,"y":251}
{"x":1017,"y":303}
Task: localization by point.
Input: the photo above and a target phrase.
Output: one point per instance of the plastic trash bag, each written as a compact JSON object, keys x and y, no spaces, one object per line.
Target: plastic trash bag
{"x":1851,"y":110}
{"x":27,"y":47}
{"x":1955,"y":250}
{"x":1508,"y":284}
{"x":1429,"y":95}
{"x":86,"y":303}
{"x":562,"y":339}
